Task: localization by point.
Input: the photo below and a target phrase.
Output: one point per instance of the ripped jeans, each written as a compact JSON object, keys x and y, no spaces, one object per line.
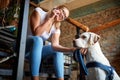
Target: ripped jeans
{"x":36,"y":51}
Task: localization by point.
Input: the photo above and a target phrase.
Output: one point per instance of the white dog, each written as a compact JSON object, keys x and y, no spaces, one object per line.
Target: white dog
{"x":90,"y":40}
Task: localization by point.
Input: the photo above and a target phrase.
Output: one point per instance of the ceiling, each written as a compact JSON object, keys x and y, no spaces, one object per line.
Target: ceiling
{"x":71,"y":4}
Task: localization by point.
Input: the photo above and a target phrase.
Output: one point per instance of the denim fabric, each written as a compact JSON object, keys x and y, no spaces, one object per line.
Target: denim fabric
{"x":35,"y":51}
{"x":109,"y":69}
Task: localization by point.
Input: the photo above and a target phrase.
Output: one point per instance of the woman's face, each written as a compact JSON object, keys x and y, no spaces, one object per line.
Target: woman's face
{"x":61,"y":14}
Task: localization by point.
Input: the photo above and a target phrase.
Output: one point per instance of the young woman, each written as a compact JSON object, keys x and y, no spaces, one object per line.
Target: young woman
{"x":43,"y":26}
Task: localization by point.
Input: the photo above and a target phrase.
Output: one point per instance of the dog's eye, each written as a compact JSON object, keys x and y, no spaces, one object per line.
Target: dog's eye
{"x":83,"y":37}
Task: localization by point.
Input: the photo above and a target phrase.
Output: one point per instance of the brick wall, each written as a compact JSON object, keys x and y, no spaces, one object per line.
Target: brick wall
{"x":110,"y":38}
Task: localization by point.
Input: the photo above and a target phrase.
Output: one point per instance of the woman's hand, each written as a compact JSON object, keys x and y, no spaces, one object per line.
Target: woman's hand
{"x":54,"y":13}
{"x":83,"y":50}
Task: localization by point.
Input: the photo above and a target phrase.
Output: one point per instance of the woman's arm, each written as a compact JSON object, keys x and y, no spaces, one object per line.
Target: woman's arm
{"x":56,"y":46}
{"x":36,"y":27}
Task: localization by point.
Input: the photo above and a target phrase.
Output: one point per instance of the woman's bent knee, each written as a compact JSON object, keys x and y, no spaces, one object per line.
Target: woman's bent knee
{"x":37,"y":39}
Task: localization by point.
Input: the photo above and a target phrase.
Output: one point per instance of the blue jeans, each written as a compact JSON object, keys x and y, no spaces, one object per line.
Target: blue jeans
{"x":35,"y":51}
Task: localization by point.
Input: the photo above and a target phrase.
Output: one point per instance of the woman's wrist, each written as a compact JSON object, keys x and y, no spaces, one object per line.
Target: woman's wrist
{"x":73,"y":49}
{"x":50,"y":19}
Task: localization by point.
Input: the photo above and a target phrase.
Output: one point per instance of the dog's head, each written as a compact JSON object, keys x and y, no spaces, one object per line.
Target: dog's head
{"x":86,"y":40}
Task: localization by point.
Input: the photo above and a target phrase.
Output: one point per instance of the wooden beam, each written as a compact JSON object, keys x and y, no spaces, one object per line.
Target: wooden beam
{"x":106,"y":25}
{"x":35,"y":5}
{"x":76,"y":23}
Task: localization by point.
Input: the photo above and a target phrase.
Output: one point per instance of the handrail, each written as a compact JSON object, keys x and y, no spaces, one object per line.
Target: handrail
{"x":106,"y":25}
{"x":76,"y":23}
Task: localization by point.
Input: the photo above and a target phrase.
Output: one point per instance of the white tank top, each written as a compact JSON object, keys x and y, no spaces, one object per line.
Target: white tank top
{"x":45,"y":35}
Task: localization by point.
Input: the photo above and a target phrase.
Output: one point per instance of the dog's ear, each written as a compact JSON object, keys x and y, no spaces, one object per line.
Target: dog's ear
{"x":96,"y":38}
{"x":93,"y":39}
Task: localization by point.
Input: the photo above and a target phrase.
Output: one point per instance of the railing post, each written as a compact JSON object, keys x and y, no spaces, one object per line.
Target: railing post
{"x":77,"y":32}
{"x":21,"y":40}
